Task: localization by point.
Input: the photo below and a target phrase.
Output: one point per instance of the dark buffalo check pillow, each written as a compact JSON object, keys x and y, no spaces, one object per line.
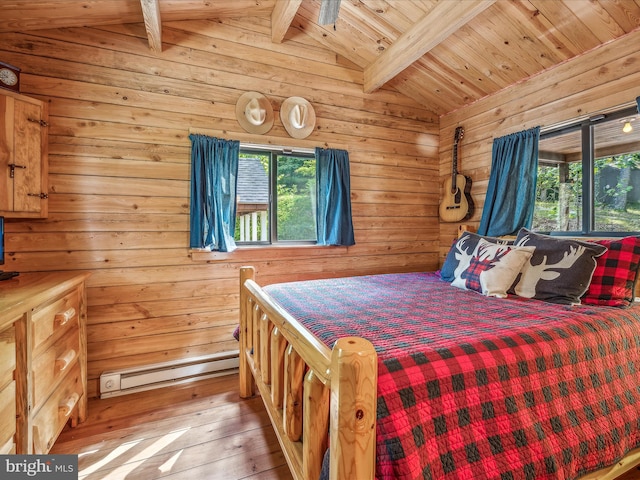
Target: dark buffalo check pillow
{"x":491,"y":268}
{"x":560,"y":269}
{"x":614,"y":279}
{"x":464,"y":246}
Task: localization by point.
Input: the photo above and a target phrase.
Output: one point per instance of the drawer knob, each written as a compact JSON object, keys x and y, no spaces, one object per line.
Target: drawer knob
{"x":62,"y":318}
{"x":67,"y":405}
{"x":65,"y":360}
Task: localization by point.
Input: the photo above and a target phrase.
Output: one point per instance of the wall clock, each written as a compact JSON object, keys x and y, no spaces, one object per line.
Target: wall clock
{"x":9,"y":77}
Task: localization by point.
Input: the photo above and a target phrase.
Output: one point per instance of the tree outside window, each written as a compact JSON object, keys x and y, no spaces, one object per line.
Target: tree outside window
{"x":276,"y":197}
{"x":589,"y":177}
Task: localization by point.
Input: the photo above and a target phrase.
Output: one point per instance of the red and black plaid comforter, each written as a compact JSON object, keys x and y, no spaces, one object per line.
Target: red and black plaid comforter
{"x":474,"y":387}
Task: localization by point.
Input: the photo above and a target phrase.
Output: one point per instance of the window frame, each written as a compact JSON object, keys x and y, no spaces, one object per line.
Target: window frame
{"x":274,"y":152}
{"x":587,"y":131}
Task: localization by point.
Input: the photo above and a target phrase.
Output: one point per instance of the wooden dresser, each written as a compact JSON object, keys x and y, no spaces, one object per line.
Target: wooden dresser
{"x":43,"y":358}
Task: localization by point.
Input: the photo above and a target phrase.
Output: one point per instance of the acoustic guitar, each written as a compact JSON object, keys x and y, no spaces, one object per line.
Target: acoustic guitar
{"x":457,"y":204}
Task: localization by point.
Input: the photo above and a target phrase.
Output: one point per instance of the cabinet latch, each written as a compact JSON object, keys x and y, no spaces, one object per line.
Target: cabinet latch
{"x":41,"y":195}
{"x":12,"y":171}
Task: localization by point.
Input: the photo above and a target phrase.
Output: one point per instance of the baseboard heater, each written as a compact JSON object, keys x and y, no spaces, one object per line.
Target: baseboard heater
{"x":161,"y":375}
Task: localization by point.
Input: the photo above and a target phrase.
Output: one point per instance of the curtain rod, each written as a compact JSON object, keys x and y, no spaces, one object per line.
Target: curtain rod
{"x":282,"y":148}
{"x":258,"y":146}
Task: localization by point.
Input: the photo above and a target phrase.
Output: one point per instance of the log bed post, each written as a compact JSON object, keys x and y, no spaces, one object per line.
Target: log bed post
{"x":313,"y":395}
{"x":247,"y":385}
{"x":354,"y":374}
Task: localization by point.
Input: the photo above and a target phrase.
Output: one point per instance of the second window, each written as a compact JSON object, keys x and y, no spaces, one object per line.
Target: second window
{"x":276,"y":197}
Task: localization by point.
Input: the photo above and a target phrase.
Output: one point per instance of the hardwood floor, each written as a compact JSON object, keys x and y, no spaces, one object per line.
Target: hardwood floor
{"x":199,"y":431}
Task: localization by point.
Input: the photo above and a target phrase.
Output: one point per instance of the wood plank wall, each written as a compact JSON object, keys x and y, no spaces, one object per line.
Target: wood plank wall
{"x":604,"y":79}
{"x":120,"y":169}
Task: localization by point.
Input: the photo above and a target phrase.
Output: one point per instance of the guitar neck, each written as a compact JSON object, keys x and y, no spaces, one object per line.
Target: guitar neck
{"x":454,"y":168}
{"x":454,"y":165}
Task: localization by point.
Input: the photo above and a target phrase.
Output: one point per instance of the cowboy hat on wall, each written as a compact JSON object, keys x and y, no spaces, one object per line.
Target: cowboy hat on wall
{"x":254,"y":113}
{"x":298,"y":117}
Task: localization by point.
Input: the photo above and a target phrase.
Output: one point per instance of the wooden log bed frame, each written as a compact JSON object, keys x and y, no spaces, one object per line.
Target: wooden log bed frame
{"x":318,"y":397}
{"x":315,"y":396}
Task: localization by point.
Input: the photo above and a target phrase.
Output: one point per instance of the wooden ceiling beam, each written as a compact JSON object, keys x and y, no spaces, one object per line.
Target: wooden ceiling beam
{"x":152,"y":23}
{"x":282,"y":16}
{"x":431,"y":30}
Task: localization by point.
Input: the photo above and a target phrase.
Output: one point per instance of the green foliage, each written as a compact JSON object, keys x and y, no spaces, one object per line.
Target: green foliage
{"x":296,"y":219}
{"x":617,"y":193}
{"x":547,"y":186}
{"x":296,"y":189}
{"x":609,"y":198}
{"x":607,"y":219}
{"x":630,"y":160}
{"x":295,"y":193}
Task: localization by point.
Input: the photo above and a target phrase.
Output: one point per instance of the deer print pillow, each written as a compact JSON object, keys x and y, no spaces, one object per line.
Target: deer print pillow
{"x":559,"y":271}
{"x":491,"y":269}
{"x":461,"y":250}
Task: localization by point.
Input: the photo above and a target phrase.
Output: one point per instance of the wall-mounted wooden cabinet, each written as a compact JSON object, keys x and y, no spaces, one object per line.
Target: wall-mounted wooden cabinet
{"x":23,"y":156}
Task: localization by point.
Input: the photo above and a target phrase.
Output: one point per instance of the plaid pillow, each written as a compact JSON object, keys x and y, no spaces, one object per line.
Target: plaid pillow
{"x":614,"y":279}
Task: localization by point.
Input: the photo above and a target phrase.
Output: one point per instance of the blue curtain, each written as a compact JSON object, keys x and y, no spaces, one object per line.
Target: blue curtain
{"x":214,"y":173}
{"x":333,"y":193}
{"x":638,"y":102}
{"x":511,"y":193}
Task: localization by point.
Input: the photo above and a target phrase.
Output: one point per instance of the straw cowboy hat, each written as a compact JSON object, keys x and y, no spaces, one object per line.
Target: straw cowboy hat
{"x":254,"y":113}
{"x":298,"y":117}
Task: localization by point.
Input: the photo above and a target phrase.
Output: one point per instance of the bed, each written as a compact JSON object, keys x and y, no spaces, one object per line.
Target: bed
{"x":406,"y":376}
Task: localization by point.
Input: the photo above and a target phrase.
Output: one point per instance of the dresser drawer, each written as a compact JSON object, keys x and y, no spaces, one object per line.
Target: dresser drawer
{"x":7,"y":417}
{"x":50,"y":322}
{"x":49,"y":421}
{"x":7,"y":355}
{"x":53,"y":364}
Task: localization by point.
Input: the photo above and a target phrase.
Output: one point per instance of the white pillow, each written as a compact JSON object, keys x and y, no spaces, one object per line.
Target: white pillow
{"x":491,"y":269}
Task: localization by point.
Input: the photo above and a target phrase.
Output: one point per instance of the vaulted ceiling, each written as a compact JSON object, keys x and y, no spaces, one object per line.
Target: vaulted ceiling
{"x":442,"y":53}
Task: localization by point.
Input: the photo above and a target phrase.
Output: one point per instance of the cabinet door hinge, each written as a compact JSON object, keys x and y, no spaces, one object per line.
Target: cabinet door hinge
{"x":37,"y":120}
{"x":41,"y":195}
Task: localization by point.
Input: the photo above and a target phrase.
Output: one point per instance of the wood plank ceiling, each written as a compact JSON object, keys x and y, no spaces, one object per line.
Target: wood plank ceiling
{"x":444,"y":54}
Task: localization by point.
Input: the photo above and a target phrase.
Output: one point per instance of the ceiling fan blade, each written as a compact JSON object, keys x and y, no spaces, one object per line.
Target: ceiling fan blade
{"x":328,"y":12}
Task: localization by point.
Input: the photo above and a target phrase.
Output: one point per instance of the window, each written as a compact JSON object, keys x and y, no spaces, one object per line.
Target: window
{"x":275,"y":197}
{"x":589,"y":176}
